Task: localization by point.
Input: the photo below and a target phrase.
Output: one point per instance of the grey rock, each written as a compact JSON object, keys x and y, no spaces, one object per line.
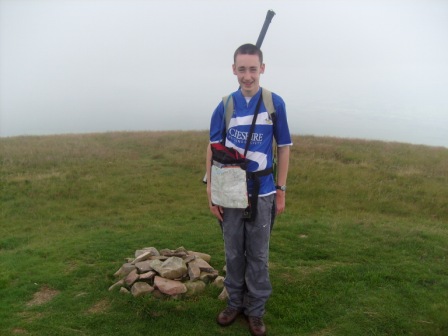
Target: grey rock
{"x":153,"y":250}
{"x":219,"y":282}
{"x":180,"y":252}
{"x":194,"y":272}
{"x":208,"y":277}
{"x":131,"y":278}
{"x":147,"y":276}
{"x":202,"y":264}
{"x":124,"y":290}
{"x":173,"y":268}
{"x":170,"y":287}
{"x":142,"y":257}
{"x":141,"y":288}
{"x":144,"y":266}
{"x":165,"y":252}
{"x":203,"y":256}
{"x":156,"y":265}
{"x":181,"y":249}
{"x":116,"y":285}
{"x":189,"y":258}
{"x":224,"y":295}
{"x":158,"y":294}
{"x":124,"y":270}
{"x":194,"y":287}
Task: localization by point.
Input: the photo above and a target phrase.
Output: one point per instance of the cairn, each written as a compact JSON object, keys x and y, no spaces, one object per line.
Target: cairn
{"x":172,"y":273}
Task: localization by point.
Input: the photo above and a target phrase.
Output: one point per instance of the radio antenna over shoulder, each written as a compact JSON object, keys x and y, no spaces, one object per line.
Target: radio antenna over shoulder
{"x":270,"y":14}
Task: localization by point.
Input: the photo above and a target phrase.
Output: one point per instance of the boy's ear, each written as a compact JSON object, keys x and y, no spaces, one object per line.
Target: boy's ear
{"x":234,"y":69}
{"x":262,"y":67}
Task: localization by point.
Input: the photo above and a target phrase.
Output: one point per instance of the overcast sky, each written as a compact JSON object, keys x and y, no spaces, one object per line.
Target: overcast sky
{"x":360,"y":69}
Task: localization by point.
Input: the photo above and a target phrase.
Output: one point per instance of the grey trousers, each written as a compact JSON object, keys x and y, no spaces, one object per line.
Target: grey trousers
{"x":247,"y":253}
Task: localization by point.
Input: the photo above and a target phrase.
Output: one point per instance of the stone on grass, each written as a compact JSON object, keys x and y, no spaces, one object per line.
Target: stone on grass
{"x":131,"y":278}
{"x":175,"y":273}
{"x":142,"y":257}
{"x":144,"y":266}
{"x":117,"y":284}
{"x":124,"y":270}
{"x":194,"y":287}
{"x":170,"y":287}
{"x":173,"y":268}
{"x":194,"y":272}
{"x":147,"y":276}
{"x":208,"y":277}
{"x":152,"y":250}
{"x":141,"y":288}
{"x":203,"y":256}
{"x":156,"y":265}
{"x":202,"y":264}
{"x":124,"y":290}
{"x":224,"y":295}
{"x":219,"y":282}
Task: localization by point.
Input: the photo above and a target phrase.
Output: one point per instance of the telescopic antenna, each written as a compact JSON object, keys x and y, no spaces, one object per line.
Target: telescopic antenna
{"x":270,"y":14}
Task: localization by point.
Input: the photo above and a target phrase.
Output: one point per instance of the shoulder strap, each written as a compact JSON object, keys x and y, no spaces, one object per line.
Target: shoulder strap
{"x":228,"y":107}
{"x":268,"y":103}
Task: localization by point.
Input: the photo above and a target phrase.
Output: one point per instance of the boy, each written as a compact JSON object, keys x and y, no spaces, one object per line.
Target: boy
{"x":246,"y":240}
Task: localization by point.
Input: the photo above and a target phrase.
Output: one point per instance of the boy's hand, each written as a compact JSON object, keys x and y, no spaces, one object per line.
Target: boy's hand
{"x":280,"y":200}
{"x":217,"y":211}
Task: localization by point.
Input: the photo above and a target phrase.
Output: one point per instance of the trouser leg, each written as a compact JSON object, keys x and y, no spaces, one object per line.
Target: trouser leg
{"x":233,"y":233}
{"x":257,"y":280}
{"x":247,"y":254}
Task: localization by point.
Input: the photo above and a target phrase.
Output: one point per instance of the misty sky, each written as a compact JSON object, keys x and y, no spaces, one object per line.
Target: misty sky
{"x":369,"y":69}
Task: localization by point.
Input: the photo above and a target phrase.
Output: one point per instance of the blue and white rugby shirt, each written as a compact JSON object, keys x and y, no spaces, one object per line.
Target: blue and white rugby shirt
{"x":259,"y":153}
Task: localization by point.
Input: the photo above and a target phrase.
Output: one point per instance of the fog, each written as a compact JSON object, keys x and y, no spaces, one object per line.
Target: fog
{"x":356,"y":69}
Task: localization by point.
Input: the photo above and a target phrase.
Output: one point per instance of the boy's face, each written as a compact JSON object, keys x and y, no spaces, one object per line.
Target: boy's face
{"x":248,"y":69}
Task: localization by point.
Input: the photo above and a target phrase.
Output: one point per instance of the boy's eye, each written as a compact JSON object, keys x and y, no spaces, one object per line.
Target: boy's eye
{"x":252,"y":69}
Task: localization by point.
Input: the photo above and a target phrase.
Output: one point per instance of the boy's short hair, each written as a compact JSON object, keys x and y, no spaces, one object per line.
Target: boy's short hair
{"x":248,"y":49}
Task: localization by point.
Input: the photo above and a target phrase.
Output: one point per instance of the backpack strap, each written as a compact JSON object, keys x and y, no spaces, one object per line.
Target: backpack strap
{"x":269,"y":104}
{"x":229,"y":109}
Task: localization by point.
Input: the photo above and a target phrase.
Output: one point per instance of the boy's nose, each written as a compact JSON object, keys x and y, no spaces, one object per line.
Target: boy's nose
{"x":246,"y":75}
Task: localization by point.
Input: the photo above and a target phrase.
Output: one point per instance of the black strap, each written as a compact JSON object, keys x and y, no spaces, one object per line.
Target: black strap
{"x":251,"y":211}
{"x":255,"y":177}
{"x":253,"y":202}
{"x":252,"y":127}
{"x":259,"y":173}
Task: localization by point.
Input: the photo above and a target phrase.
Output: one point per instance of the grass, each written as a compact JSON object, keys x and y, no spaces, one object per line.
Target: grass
{"x":361,"y":250}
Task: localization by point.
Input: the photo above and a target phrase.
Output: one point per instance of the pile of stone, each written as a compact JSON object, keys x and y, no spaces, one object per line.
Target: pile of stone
{"x":167,"y":273}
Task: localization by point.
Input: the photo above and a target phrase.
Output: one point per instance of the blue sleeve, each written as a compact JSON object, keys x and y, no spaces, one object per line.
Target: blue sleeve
{"x":282,"y":135}
{"x":217,"y":124}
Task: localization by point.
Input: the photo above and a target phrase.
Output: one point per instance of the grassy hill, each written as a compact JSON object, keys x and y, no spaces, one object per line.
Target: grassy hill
{"x":361,"y":250}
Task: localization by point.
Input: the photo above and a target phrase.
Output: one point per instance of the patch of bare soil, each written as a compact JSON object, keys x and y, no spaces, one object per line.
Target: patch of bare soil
{"x":44,"y":295}
{"x":99,"y":307}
